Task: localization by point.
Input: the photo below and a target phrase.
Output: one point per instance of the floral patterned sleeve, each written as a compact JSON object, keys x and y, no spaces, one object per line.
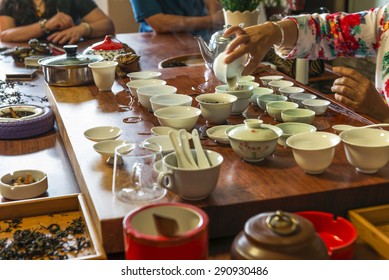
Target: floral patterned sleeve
{"x":328,"y":36}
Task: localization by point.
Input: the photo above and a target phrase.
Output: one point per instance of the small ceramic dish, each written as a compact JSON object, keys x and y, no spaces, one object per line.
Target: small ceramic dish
{"x":290,"y":90}
{"x":22,"y":112}
{"x":218,"y":133}
{"x":300,"y":97}
{"x":23,"y":184}
{"x":164,"y":130}
{"x":276,"y":85}
{"x":247,"y":78}
{"x":163,"y":141}
{"x":298,"y":115}
{"x":263,"y":99}
{"x":178,"y":117}
{"x":147,"y":92}
{"x":319,"y":106}
{"x":257,"y":91}
{"x":135,"y":84}
{"x":107,"y":148}
{"x":166,"y":100}
{"x":266,"y":79}
{"x":291,"y":128}
{"x":101,"y":133}
{"x":275,"y":108}
{"x":143,"y":75}
{"x":338,"y":128}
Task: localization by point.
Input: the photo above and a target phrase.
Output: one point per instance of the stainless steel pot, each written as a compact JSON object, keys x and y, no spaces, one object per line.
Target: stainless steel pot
{"x":70,"y":69}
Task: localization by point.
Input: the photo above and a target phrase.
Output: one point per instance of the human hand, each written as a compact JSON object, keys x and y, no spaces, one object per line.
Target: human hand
{"x":67,"y":36}
{"x":255,"y":41}
{"x":60,"y":21}
{"x":358,"y":92}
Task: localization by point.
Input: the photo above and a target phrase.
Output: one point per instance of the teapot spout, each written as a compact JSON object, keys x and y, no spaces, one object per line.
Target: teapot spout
{"x":206,"y":52}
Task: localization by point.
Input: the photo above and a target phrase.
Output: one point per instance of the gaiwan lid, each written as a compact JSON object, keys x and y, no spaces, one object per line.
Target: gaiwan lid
{"x":254,"y":130}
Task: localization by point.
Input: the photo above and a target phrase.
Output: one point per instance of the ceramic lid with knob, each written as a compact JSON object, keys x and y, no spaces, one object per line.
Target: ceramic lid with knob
{"x":278,"y":235}
{"x":108,"y":48}
{"x":254,"y":130}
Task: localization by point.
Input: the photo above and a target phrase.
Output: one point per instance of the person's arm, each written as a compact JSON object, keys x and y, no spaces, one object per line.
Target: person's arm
{"x":10,"y":33}
{"x":94,"y":24}
{"x":165,"y":23}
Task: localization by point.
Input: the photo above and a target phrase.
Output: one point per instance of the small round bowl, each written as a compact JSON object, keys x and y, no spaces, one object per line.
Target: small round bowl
{"x":135,"y":84}
{"x":290,"y":90}
{"x":291,"y":128}
{"x":263,"y":99}
{"x":300,"y":97}
{"x":248,"y":83}
{"x":101,"y":133}
{"x":338,"y":128}
{"x":146,"y":92}
{"x":143,"y":75}
{"x":167,"y":100}
{"x":319,"y":106}
{"x":164,"y":130}
{"x":107,"y":148}
{"x":367,"y":149}
{"x":276,"y":85}
{"x":243,"y":93}
{"x":178,"y":117}
{"x":313,"y":151}
{"x":267,"y":79}
{"x":163,"y":141}
{"x":298,"y":115}
{"x":216,"y":108}
{"x":257,"y":91}
{"x":10,"y":189}
{"x":253,"y":140}
{"x":275,"y":108}
{"x":338,"y":234}
{"x":247,"y":78}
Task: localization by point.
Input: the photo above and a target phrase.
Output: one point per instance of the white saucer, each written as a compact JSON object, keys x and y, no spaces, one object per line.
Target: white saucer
{"x":218,"y":133}
{"x":101,"y":133}
{"x":107,"y":148}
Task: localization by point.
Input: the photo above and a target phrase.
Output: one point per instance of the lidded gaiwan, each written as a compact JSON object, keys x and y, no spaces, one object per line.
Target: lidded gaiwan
{"x":278,"y":236}
{"x":253,"y":140}
{"x":108,"y":48}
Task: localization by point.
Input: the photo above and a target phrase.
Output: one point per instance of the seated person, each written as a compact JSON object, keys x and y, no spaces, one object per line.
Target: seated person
{"x":200,"y":17}
{"x":57,"y":21}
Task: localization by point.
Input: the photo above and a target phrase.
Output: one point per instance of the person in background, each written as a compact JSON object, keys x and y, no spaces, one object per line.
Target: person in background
{"x":200,"y":17}
{"x":57,"y":21}
{"x":327,"y":36}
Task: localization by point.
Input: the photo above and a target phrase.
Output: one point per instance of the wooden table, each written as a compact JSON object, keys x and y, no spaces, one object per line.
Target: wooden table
{"x":243,"y":190}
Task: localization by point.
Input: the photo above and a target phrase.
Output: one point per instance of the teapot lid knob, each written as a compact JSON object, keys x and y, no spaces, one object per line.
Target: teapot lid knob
{"x":281,"y":223}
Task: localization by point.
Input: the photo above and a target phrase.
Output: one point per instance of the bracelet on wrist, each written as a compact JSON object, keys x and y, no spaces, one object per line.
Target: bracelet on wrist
{"x":42,"y":24}
{"x":282,"y":34}
{"x":88,"y":28}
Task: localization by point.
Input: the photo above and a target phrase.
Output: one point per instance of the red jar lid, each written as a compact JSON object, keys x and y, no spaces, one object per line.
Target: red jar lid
{"x":109,"y":43}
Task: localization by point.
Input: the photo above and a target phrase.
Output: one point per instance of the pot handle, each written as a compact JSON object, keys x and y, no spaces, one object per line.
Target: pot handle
{"x":71,"y":50}
{"x":281,"y":223}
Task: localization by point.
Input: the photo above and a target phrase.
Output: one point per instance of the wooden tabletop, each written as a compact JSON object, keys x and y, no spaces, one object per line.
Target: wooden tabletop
{"x":243,"y":190}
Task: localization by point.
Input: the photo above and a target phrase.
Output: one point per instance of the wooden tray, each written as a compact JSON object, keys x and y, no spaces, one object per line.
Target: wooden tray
{"x":372,"y":224}
{"x":38,"y":214}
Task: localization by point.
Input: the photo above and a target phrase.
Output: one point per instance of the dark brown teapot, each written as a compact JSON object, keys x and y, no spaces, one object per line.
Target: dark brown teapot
{"x":278,"y":236}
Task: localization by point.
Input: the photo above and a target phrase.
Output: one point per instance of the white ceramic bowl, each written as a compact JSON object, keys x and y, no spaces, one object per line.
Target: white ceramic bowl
{"x":300,"y":97}
{"x":167,"y":100}
{"x":276,"y":85}
{"x":290,"y":90}
{"x":253,"y":140}
{"x":367,"y":149}
{"x":247,"y":78}
{"x":135,"y":84}
{"x":291,"y":128}
{"x":146,"y":92}
{"x":23,"y":190}
{"x":228,"y":73}
{"x":101,"y":133}
{"x":178,"y":116}
{"x":163,"y":141}
{"x":274,"y":109}
{"x":248,"y":83}
{"x":319,"y":106}
{"x":266,"y":79}
{"x":257,"y":91}
{"x":313,"y":151}
{"x":107,"y":148}
{"x":263,"y":99}
{"x":22,"y":111}
{"x":243,"y":93}
{"x":143,"y":75}
{"x":298,"y":115}
{"x":164,"y":130}
{"x":216,"y":107}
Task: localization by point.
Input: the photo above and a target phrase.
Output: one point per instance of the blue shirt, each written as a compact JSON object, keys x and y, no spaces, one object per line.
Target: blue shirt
{"x":145,"y":8}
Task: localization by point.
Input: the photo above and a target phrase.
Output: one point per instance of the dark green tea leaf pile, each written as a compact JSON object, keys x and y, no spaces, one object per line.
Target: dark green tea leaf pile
{"x":10,"y":94}
{"x":32,"y":244}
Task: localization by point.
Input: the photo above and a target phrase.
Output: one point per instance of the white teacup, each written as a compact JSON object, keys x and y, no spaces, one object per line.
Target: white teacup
{"x":103,"y":74}
{"x":190,"y":184}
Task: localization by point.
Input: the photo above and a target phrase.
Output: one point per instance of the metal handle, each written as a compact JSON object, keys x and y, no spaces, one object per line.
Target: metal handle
{"x":282,"y":224}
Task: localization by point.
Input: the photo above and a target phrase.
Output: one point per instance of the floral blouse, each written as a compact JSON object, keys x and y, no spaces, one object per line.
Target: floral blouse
{"x":361,"y":34}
